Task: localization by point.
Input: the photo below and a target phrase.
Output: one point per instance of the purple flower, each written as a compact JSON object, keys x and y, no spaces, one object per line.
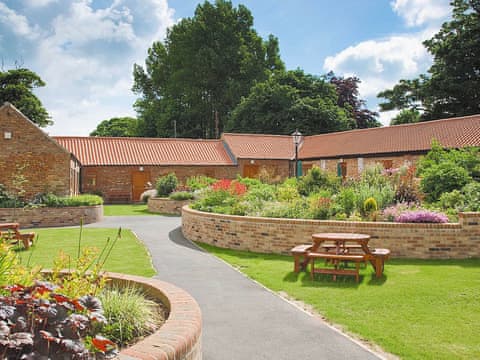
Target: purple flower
{"x":421,"y":216}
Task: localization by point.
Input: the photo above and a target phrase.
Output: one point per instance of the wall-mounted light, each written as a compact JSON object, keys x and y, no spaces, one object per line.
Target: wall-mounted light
{"x":7,"y":135}
{"x":252,"y":162}
{"x":140,"y":168}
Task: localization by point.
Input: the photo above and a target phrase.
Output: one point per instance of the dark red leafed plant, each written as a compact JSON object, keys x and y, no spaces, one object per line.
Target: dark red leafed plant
{"x":232,"y":186}
{"x":38,"y":323}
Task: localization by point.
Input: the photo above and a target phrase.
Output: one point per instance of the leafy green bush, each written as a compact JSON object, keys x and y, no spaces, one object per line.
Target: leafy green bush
{"x":447,"y":170}
{"x":199,"y":182}
{"x":471,"y":192}
{"x":181,"y":195}
{"x":315,"y":180}
{"x":129,"y":314}
{"x":165,"y":185}
{"x":292,"y":210}
{"x":370,"y":205}
{"x":51,"y":200}
{"x":441,"y":178}
{"x":217,"y":201}
{"x":346,"y":200}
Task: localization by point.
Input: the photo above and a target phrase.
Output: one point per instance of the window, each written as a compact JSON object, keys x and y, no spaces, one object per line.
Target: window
{"x":360,"y":165}
{"x":323,"y":164}
{"x":387,"y":164}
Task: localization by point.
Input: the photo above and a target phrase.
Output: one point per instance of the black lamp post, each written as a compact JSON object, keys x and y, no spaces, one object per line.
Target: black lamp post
{"x":297,"y":137}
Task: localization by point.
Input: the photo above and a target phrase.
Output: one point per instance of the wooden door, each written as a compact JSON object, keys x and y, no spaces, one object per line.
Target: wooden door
{"x":250,"y":171}
{"x":139,"y":184}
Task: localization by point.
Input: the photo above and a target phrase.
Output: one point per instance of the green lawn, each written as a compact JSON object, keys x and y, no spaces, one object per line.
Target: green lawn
{"x":128,"y":256}
{"x":421,"y":309}
{"x":126,"y":210}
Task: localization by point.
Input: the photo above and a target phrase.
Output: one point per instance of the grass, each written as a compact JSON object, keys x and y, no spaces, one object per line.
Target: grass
{"x":421,"y":309}
{"x":128,"y":256}
{"x":126,"y":210}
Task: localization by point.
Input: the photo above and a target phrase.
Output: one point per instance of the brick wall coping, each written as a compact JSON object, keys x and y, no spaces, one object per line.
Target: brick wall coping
{"x":255,"y":219}
{"x":180,"y":336}
{"x":52,"y":216}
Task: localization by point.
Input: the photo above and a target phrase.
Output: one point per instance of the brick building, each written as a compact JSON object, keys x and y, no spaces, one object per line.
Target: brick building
{"x":347,"y":153}
{"x":30,"y":161}
{"x":268,"y":155}
{"x":122,"y":168}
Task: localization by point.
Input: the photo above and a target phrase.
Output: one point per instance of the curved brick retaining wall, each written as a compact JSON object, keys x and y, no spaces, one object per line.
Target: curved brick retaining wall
{"x":180,"y":336}
{"x":49,"y":216}
{"x":166,"y":205}
{"x":268,"y":235}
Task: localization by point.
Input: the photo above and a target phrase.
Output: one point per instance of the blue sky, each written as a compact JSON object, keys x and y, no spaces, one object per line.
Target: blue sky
{"x":85,"y":49}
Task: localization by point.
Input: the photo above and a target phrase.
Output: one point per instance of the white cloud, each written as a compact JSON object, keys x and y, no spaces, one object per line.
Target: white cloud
{"x":381,"y":63}
{"x":87,"y":60}
{"x":17,"y":23}
{"x":39,"y":3}
{"x":421,"y":12}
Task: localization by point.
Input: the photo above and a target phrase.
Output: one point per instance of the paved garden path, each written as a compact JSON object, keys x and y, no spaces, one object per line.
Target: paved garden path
{"x":241,"y":319}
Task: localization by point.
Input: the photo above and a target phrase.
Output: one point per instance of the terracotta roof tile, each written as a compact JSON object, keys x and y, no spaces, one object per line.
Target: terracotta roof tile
{"x":451,"y":133}
{"x":247,"y":146}
{"x":145,"y":151}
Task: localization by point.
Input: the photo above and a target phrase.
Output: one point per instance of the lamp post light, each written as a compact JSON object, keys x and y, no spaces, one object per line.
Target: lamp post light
{"x":297,"y":137}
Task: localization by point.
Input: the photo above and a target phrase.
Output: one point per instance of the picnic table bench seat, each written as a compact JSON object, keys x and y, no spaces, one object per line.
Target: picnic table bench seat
{"x":10,"y":232}
{"x":300,"y":252}
{"x":336,"y":260}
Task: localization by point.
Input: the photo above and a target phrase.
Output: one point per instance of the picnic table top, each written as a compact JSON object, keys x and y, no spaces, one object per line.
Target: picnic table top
{"x":340,"y":236}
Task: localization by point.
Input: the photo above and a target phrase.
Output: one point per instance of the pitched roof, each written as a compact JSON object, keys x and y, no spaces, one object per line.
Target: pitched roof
{"x":145,"y":151}
{"x":451,"y":133}
{"x":256,"y":146}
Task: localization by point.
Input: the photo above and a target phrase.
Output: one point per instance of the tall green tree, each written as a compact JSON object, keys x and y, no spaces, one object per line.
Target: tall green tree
{"x":117,"y":127}
{"x":349,"y":99}
{"x":406,"y":116}
{"x":290,"y":100}
{"x":452,"y":85}
{"x":16,"y":87}
{"x":198,"y":75}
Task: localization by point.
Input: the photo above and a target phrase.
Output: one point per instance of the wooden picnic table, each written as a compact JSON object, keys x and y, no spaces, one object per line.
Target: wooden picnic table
{"x":11,"y":232}
{"x":338,"y":249}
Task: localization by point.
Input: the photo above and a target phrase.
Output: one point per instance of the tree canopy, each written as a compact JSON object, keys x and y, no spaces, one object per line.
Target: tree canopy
{"x":16,"y":87}
{"x":348,"y":98}
{"x":117,"y":127}
{"x":199,"y":74}
{"x":290,"y":100}
{"x":452,"y":85}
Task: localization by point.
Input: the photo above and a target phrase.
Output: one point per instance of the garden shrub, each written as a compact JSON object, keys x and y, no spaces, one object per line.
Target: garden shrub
{"x":261,"y":192}
{"x":293,"y":210}
{"x":287,"y":192}
{"x":129,"y":314}
{"x":315,"y":180}
{"x":181,"y":195}
{"x":217,"y":201}
{"x":199,"y":182}
{"x":441,"y":178}
{"x":320,"y":208}
{"x":471,"y":192}
{"x":165,"y":185}
{"x":345,"y":199}
{"x":51,"y":200}
{"x":370,"y":205}
{"x":421,"y":216}
{"x":447,"y":170}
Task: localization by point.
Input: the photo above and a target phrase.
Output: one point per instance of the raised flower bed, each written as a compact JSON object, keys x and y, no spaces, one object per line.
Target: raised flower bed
{"x":273,"y":235}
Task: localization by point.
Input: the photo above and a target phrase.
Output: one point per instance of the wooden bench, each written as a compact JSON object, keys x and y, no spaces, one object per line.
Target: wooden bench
{"x":300,"y":252}
{"x":378,"y":257}
{"x":10,"y":232}
{"x":336,"y":260}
